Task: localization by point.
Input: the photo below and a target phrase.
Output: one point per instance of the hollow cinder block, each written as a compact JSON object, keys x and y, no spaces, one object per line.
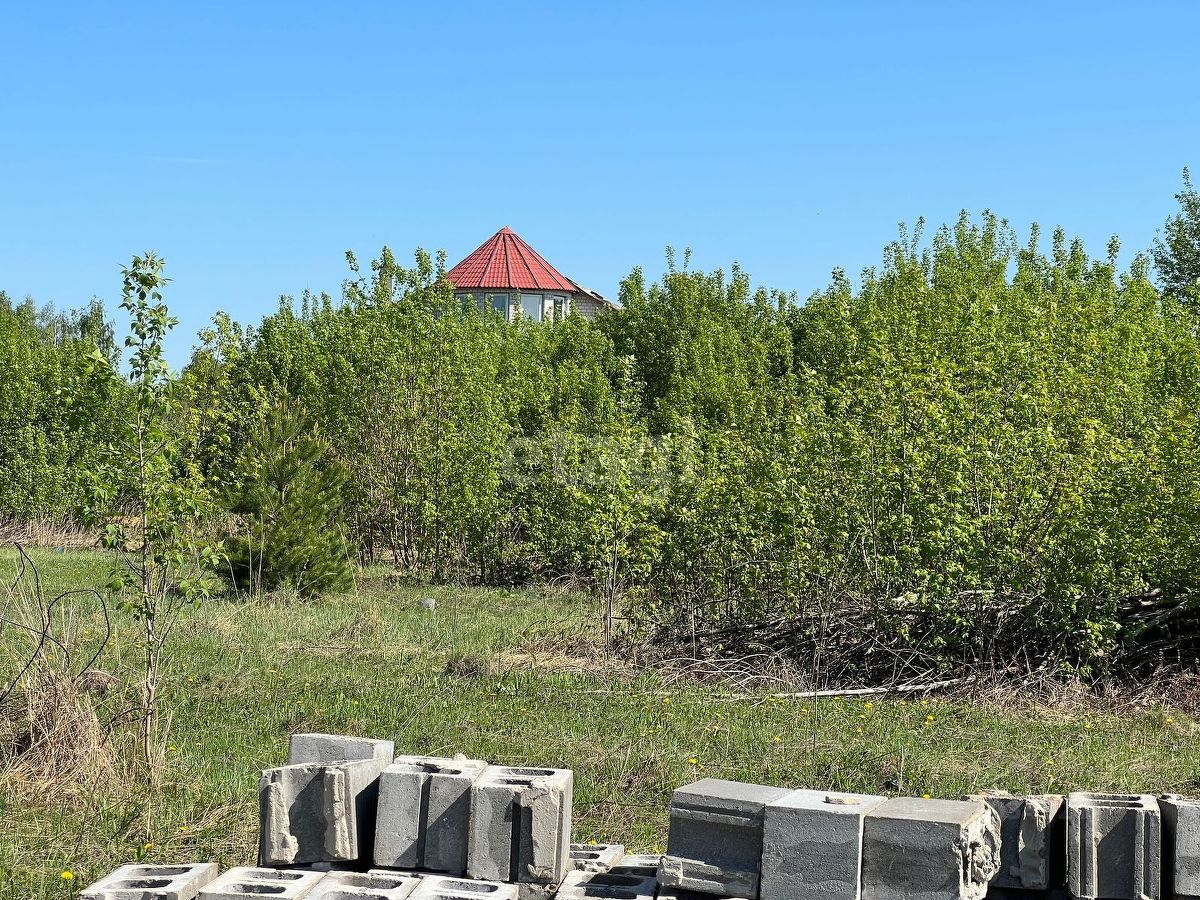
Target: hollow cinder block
{"x":317,"y":812}
{"x":365,"y":886}
{"x":443,"y":887}
{"x":256,"y":883}
{"x":320,"y":808}
{"x":520,"y":825}
{"x":637,"y":864}
{"x":716,"y":839}
{"x":146,"y":882}
{"x":595,"y":857}
{"x":1114,"y":846}
{"x":915,"y":849}
{"x":607,"y":886}
{"x":1033,"y":851}
{"x":336,"y":748}
{"x":812,"y":845}
{"x":424,"y":813}
{"x":1181,"y":847}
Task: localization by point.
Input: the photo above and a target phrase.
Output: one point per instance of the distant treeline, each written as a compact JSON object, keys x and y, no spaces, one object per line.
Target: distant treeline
{"x":985,"y":453}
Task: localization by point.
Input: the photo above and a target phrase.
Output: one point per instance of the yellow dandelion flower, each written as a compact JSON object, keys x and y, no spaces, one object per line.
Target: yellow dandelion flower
{"x":148,"y":846}
{"x":666,"y":700}
{"x":862,"y":715}
{"x":1087,"y":726}
{"x":1170,"y":721}
{"x":868,"y":705}
{"x":776,"y":739}
{"x":66,"y":875}
{"x":693,"y":761}
{"x":926,"y":797}
{"x":858,"y":731}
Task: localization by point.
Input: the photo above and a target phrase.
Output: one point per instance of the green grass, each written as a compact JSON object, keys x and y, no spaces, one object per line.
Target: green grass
{"x":246,"y":675}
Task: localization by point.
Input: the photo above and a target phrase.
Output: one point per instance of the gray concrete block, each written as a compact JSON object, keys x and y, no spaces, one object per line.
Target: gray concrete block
{"x":1114,"y":846}
{"x":335,"y":748}
{"x":443,"y":887}
{"x":365,"y":886}
{"x":607,"y":886}
{"x":812,"y":845}
{"x":637,"y":864}
{"x":520,"y":825}
{"x":314,"y":812}
{"x":929,"y":850}
{"x":716,"y":837}
{"x":595,"y":857}
{"x":423,"y":813}
{"x":1181,"y":847}
{"x":1032,"y":839}
{"x":253,"y":883}
{"x":146,"y":882}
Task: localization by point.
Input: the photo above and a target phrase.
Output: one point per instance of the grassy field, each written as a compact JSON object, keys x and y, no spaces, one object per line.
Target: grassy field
{"x":516,"y":677}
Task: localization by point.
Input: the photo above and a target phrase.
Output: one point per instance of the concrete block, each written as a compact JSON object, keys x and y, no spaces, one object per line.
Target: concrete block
{"x":1032,"y":839}
{"x":1181,"y":847}
{"x":716,"y":838}
{"x":607,"y":886}
{"x":929,"y":850}
{"x":520,"y":825}
{"x":443,"y":887}
{"x":317,"y":812}
{"x":637,"y":864}
{"x":144,"y":882}
{"x":365,"y":886}
{"x":1114,"y":846}
{"x":812,"y":845}
{"x":336,"y":748}
{"x":251,"y":883}
{"x":424,"y":813}
{"x":595,"y":857}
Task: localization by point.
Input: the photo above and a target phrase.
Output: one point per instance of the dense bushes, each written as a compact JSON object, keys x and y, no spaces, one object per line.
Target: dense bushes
{"x":982,"y":449}
{"x":984,"y":453}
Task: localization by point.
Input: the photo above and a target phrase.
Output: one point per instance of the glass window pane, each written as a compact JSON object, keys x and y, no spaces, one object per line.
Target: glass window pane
{"x":499,"y":302}
{"x":531,"y":306}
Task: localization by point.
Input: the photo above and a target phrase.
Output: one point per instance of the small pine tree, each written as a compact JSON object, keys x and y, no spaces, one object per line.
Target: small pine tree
{"x":288,"y":496}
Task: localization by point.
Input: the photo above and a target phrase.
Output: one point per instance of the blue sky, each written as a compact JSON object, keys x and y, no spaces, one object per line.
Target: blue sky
{"x":252,"y":144}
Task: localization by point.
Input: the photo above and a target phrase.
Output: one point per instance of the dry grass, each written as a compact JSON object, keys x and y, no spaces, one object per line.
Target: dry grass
{"x":47,"y":533}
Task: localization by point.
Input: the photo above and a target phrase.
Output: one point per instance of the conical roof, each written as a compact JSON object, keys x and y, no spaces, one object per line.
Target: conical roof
{"x":505,"y":262}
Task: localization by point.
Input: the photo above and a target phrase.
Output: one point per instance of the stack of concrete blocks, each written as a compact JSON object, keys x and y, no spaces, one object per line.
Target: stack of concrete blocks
{"x":1114,"y":846}
{"x":1033,"y":854}
{"x":320,"y":808}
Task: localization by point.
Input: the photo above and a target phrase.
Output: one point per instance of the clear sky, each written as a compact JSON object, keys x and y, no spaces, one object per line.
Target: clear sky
{"x":251,"y":144}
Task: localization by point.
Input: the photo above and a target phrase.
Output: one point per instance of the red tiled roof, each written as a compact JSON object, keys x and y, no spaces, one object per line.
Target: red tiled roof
{"x":505,"y":261}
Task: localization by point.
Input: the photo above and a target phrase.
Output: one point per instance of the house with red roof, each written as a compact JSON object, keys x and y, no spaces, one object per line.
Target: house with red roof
{"x":505,"y":274}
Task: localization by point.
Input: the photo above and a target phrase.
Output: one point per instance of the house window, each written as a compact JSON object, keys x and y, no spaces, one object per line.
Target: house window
{"x":560,"y":306}
{"x":499,"y":302}
{"x":531,"y":307}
